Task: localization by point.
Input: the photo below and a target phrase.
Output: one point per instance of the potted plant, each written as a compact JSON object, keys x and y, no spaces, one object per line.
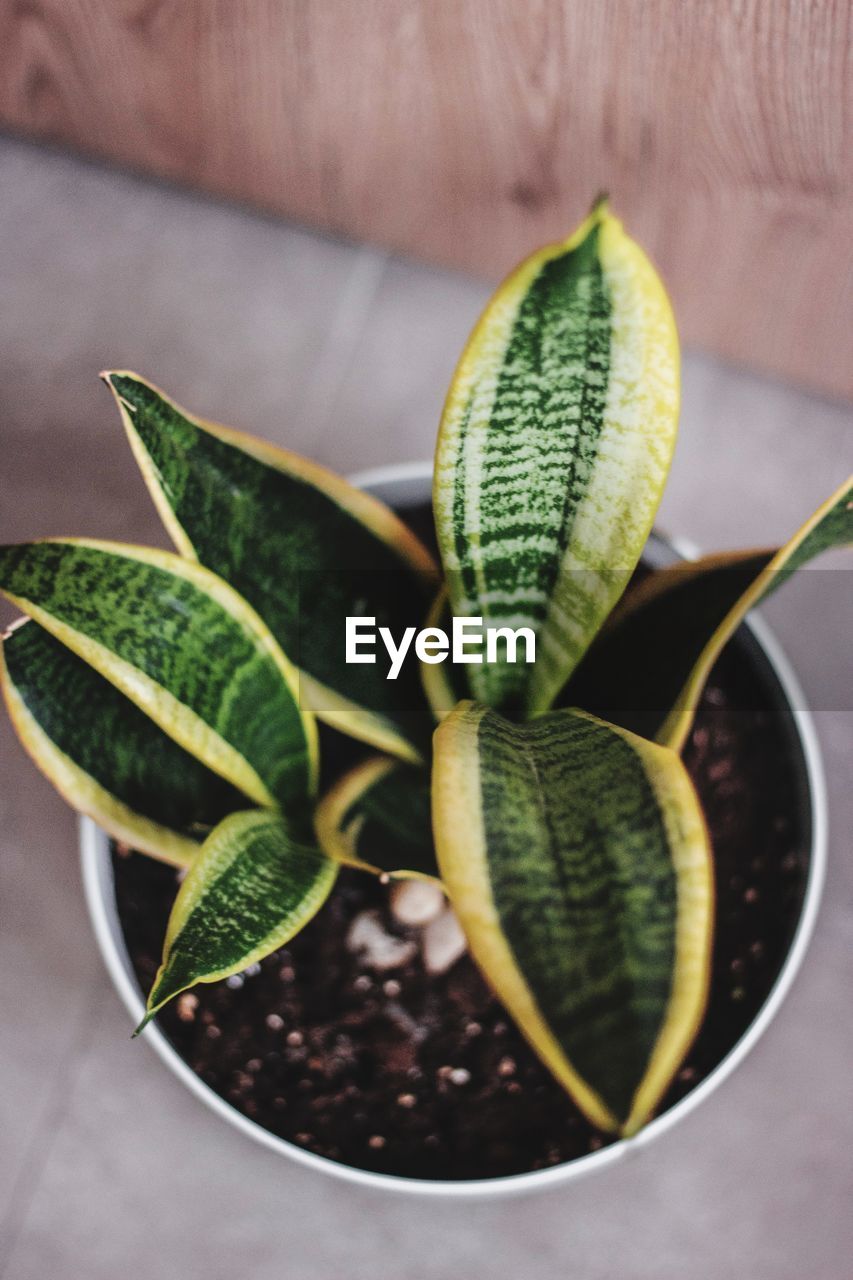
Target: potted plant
{"x":303,"y":714}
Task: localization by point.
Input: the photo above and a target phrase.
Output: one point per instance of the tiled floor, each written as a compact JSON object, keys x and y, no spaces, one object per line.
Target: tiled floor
{"x":107,"y":1166}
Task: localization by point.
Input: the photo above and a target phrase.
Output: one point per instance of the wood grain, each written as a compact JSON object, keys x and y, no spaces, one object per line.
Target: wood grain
{"x":467,"y":131}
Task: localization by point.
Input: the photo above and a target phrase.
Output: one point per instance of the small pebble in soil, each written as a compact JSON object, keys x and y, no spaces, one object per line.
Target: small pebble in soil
{"x":443,"y":942}
{"x":416,"y":902}
{"x":375,"y":946}
{"x":186,"y":1005}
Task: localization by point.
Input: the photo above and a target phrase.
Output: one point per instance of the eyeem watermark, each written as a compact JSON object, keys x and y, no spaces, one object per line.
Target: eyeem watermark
{"x":465,"y":643}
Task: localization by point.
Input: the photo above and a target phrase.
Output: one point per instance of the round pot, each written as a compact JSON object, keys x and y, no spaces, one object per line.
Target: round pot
{"x":405,"y":486}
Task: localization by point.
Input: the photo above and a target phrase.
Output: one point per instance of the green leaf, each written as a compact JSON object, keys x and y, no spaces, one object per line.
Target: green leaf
{"x":184,"y":647}
{"x":553,"y":451}
{"x":305,"y":548}
{"x":446,"y":683}
{"x":576,"y":857}
{"x":377,"y":818}
{"x":104,"y":755}
{"x":249,"y":890}
{"x":646,"y":671}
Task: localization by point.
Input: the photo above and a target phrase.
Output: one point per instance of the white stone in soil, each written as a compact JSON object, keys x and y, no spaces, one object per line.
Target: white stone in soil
{"x":443,"y":942}
{"x":416,"y":902}
{"x":378,"y":949}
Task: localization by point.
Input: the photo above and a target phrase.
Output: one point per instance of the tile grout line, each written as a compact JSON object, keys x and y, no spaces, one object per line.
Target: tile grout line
{"x":339,"y":348}
{"x":47,"y":1129}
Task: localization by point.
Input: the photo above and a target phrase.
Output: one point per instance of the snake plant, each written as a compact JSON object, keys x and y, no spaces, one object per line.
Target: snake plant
{"x":174,"y":697}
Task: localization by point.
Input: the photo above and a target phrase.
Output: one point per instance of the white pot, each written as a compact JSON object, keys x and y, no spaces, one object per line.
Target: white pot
{"x":407,"y":485}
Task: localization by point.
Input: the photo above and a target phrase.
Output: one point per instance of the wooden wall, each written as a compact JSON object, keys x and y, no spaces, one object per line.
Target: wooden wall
{"x":467,"y":131}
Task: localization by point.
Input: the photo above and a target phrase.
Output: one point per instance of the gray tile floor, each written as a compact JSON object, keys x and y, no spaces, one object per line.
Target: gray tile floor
{"x":107,"y":1166}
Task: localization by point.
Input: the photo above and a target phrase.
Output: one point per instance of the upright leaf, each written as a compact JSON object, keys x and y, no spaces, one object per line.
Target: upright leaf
{"x":104,"y":755}
{"x":249,"y":890}
{"x":647,"y":670}
{"x":576,"y":857}
{"x":377,"y":818}
{"x":305,"y":548}
{"x":553,"y":450}
{"x":184,"y":647}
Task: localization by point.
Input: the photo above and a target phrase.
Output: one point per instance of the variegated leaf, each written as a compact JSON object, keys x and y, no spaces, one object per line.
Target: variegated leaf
{"x":553,"y":450}
{"x":648,"y":668}
{"x":576,"y":857}
{"x":184,"y":647}
{"x":104,"y":755}
{"x":250,"y":888}
{"x":305,"y":548}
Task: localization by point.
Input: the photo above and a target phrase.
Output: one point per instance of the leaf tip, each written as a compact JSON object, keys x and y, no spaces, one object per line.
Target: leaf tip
{"x":113,"y":378}
{"x":149,"y":1014}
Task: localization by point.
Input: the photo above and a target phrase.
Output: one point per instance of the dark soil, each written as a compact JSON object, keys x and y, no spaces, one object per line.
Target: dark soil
{"x":423,"y":1076}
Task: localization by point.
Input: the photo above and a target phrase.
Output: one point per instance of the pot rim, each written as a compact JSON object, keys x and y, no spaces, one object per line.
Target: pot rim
{"x":100,"y":900}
